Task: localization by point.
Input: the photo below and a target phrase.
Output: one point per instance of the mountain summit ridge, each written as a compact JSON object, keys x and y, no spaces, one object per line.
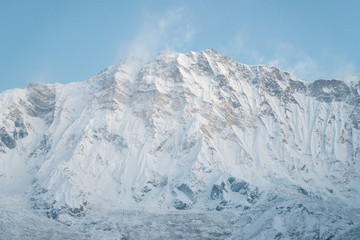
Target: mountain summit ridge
{"x":195,"y":131}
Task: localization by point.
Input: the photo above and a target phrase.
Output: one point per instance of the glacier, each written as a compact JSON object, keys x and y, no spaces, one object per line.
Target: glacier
{"x":192,"y":145}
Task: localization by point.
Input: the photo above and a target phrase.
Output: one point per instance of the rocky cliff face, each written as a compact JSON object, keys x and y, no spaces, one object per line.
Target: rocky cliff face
{"x":194,"y":132}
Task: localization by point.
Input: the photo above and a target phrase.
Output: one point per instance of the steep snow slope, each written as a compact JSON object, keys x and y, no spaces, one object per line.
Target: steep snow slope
{"x":195,"y":131}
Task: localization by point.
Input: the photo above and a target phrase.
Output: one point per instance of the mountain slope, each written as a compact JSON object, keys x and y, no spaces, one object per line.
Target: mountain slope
{"x":195,"y":131}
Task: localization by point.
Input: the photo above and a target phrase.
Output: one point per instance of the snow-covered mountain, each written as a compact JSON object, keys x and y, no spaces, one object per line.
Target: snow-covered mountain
{"x":196,"y":132}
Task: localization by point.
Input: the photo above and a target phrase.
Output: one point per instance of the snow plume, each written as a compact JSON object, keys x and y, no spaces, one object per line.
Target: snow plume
{"x":168,"y":32}
{"x":43,"y":76}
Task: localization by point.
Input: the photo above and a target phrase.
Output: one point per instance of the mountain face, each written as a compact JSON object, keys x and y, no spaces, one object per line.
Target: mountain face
{"x":188,"y":134}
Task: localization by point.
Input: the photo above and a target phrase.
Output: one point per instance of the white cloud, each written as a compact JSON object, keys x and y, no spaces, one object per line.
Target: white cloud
{"x":289,"y":58}
{"x":167,"y":32}
{"x":344,"y":70}
{"x":236,"y":45}
{"x":295,"y":61}
{"x":280,"y":54}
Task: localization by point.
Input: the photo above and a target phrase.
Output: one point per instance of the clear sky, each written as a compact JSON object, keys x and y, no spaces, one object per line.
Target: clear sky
{"x":64,"y":41}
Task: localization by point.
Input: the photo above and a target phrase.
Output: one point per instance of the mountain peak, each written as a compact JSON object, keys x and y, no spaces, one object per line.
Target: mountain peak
{"x":186,"y":132}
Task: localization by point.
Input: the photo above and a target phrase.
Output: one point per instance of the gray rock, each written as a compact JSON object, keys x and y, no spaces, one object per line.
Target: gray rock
{"x":238,"y":186}
{"x":217,"y":191}
{"x":42,"y":101}
{"x":180,"y":205}
{"x":187,"y":191}
{"x":328,"y":90}
{"x":8,"y":141}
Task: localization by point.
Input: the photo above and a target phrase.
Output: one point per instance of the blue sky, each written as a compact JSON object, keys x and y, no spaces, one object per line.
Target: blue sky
{"x":65,"y":41}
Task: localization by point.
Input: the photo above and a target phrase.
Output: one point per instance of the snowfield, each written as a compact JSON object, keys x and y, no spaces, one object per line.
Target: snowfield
{"x":185,"y":146}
